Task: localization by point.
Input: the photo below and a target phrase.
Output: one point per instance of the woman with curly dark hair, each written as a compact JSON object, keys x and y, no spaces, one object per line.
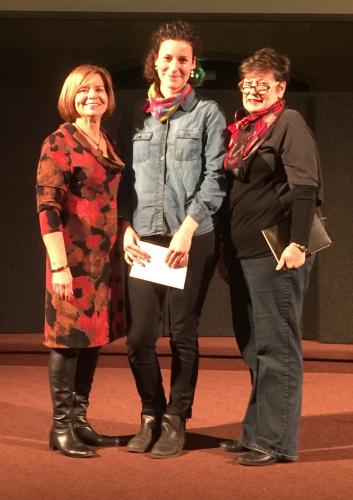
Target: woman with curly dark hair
{"x":178,"y":186}
{"x":273,"y":166}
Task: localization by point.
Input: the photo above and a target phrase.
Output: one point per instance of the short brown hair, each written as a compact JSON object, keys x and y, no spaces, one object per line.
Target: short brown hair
{"x":265,"y":60}
{"x":66,"y":102}
{"x":176,"y":30}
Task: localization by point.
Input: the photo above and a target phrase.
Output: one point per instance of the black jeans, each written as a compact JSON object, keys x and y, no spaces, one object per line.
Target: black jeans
{"x":267,"y":308}
{"x":184,"y":308}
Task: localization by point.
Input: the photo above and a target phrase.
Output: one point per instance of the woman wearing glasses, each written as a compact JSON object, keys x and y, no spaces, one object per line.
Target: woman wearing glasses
{"x":273,"y":165}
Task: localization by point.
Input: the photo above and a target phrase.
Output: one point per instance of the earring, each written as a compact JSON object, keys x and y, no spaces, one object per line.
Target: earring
{"x":192,"y":73}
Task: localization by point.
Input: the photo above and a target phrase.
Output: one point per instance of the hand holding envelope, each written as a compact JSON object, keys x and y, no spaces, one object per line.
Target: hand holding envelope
{"x":156,"y":269}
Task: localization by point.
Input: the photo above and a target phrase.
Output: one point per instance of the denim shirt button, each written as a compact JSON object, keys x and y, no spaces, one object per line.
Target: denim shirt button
{"x":162,"y":157}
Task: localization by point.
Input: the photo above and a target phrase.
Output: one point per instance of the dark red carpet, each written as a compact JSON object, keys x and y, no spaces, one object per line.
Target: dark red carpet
{"x":29,"y":471}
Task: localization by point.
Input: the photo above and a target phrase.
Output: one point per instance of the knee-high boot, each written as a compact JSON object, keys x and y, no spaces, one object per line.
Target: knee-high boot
{"x":86,"y":366}
{"x":62,"y":367}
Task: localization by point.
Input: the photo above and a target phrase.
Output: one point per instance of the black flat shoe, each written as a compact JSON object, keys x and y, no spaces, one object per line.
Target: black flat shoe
{"x":256,"y":458}
{"x":233,"y":446}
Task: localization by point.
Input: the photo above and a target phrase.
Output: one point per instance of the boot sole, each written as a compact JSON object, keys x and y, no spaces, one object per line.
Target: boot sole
{"x":94,"y":455}
{"x":166,"y":456}
{"x":145,"y":450}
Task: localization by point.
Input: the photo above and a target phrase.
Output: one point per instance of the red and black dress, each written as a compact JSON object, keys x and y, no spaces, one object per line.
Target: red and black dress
{"x":77,"y":195}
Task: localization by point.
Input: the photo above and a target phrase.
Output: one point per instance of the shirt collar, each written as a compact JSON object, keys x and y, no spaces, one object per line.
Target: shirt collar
{"x":188,"y":103}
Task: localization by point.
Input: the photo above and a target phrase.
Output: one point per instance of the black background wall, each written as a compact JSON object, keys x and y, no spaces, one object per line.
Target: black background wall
{"x":37,"y":54}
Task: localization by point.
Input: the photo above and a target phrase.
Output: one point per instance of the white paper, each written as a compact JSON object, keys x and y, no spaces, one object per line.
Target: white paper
{"x":157,"y":270}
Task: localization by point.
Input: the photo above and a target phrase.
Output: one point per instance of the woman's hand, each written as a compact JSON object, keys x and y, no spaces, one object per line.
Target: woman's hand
{"x":178,"y":252}
{"x":132,"y":251}
{"x":179,"y":247}
{"x":291,"y":258}
{"x":62,"y":284}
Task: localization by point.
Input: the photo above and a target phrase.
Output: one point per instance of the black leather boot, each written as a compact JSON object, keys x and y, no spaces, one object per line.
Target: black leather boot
{"x":62,"y":437}
{"x":172,"y":438}
{"x":86,"y":366}
{"x":83,"y":428}
{"x":147,"y":435}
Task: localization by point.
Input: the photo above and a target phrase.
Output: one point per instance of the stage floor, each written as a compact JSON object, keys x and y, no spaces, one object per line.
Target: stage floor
{"x":203,"y":472}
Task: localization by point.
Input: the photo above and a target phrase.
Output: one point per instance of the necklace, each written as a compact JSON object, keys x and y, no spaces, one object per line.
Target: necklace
{"x":97,"y":144}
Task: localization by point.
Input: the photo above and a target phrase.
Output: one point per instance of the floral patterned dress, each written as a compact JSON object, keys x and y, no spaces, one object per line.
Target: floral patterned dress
{"x":77,"y":195}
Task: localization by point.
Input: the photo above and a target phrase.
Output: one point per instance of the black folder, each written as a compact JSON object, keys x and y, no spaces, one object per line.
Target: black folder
{"x":277,"y":237}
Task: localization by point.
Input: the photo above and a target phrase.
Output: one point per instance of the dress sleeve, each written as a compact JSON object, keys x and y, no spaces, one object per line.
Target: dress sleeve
{"x":208,"y":199}
{"x":51,"y":186}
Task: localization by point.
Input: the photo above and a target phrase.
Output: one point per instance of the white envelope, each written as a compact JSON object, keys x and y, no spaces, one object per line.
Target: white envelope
{"x":157,"y":270}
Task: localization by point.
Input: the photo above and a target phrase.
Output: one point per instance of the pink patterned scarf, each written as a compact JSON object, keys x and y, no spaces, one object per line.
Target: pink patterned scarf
{"x":162,"y":108}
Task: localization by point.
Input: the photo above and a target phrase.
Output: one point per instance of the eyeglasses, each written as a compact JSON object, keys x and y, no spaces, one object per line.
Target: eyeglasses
{"x":260,"y":88}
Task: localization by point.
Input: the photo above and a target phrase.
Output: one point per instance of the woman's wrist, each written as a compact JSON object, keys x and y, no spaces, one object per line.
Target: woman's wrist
{"x":300,"y":247}
{"x":60,"y":268}
{"x":188,"y":227}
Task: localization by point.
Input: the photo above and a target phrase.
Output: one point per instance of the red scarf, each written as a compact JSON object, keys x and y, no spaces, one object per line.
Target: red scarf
{"x":247,"y":134}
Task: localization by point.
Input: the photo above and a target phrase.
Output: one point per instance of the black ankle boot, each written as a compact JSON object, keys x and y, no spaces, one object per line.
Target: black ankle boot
{"x":86,"y":366}
{"x":172,"y":438}
{"x":147,"y":435}
{"x":62,"y":367}
{"x":84,"y":429}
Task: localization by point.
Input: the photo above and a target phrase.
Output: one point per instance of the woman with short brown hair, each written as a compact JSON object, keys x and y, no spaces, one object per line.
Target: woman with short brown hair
{"x":77,"y":181}
{"x":273,"y":168}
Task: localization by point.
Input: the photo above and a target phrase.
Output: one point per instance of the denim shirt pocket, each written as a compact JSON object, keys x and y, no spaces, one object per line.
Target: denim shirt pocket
{"x":142,"y":146}
{"x":188,"y":145}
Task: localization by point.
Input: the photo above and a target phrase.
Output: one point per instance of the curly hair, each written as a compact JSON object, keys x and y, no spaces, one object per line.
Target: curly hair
{"x":176,"y":30}
{"x":265,"y":60}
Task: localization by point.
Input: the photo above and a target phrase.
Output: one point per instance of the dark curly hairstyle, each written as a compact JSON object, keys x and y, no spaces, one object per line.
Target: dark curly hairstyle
{"x":176,"y":30}
{"x":266,"y":60}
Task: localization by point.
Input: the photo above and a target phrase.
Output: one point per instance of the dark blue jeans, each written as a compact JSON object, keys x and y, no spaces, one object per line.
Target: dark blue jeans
{"x":184,"y":308}
{"x":267,"y":308}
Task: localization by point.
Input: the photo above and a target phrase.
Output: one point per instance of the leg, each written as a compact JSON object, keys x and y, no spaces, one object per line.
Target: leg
{"x":275,"y":403}
{"x":86,"y":366}
{"x":145,"y":306}
{"x":62,"y":368}
{"x":241,"y":308}
{"x":185,"y":308}
{"x":146,"y":300}
{"x":184,"y":312}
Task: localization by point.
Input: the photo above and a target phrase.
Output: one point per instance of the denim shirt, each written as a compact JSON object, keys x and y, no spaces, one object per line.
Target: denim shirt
{"x":177,"y":169}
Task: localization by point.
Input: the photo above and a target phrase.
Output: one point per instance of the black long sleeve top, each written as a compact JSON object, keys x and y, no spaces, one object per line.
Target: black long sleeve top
{"x":283,"y":176}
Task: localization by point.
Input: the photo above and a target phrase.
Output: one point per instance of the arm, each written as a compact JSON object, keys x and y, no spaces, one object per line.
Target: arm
{"x":300,"y":160}
{"x":179,"y":247}
{"x":209,"y":197}
{"x":211,"y":192}
{"x":50,"y":191}
{"x":62,"y":277}
{"x":132,"y":251}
